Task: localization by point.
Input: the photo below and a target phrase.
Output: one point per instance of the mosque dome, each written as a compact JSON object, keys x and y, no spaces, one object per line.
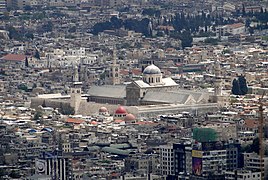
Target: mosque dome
{"x":120,"y":110}
{"x":129,"y":117}
{"x":103,"y":110}
{"x":152,"y":69}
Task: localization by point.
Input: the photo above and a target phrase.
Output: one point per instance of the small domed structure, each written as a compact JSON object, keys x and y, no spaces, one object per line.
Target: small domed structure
{"x":103,"y":109}
{"x":120,"y":112}
{"x":130,"y":118}
{"x":152,"y":69}
{"x":94,"y":123}
{"x":152,"y":75}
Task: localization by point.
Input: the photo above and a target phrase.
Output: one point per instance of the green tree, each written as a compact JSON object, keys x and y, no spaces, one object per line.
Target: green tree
{"x":255,"y":146}
{"x":29,"y":36}
{"x":47,"y":27}
{"x":243,"y":85}
{"x":37,"y":115}
{"x":36,"y":54}
{"x":28,"y":8}
{"x":236,"y":88}
{"x":44,"y":104}
{"x":116,"y":23}
{"x":23,"y":87}
{"x":14,"y":174}
{"x":2,"y":172}
{"x":185,"y":37}
{"x":26,"y":62}
{"x":13,"y":33}
{"x":151,"y":12}
{"x":72,"y":29}
{"x":212,"y":41}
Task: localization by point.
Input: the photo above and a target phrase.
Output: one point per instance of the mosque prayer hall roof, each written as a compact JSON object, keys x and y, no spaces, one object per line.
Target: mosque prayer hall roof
{"x":118,"y":91}
{"x":166,"y":97}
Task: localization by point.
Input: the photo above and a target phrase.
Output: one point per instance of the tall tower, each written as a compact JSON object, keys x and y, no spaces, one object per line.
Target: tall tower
{"x":218,"y":97}
{"x":76,"y":74}
{"x":217,"y":82}
{"x":76,"y":91}
{"x":113,"y":77}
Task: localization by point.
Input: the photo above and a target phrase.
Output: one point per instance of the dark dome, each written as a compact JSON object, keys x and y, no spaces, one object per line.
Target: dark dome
{"x":152,"y":69}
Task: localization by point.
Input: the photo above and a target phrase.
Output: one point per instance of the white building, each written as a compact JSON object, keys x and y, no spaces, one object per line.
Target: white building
{"x":232,"y":29}
{"x":166,"y":160}
{"x":252,"y":162}
{"x":3,"y":5}
{"x":57,"y":167}
{"x":242,"y":175}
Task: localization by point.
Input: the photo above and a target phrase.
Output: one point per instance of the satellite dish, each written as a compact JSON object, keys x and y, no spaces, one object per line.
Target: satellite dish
{"x":242,"y":122}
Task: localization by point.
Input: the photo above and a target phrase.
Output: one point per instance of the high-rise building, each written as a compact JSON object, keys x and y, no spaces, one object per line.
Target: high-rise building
{"x":234,"y":155}
{"x":3,"y":5}
{"x":242,"y":175}
{"x":166,"y":160}
{"x":252,"y":162}
{"x":182,"y":158}
{"x":55,"y":165}
{"x":209,"y":159}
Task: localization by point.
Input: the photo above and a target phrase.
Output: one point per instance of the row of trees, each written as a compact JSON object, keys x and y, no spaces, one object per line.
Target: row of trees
{"x":151,"y":12}
{"x":261,"y":17}
{"x":185,"y":25}
{"x":140,"y":26}
{"x":25,"y":34}
{"x":193,"y":23}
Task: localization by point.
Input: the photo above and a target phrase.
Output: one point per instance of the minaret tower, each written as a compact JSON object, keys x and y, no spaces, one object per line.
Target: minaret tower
{"x":115,"y":69}
{"x":219,"y":98}
{"x":76,"y":91}
{"x":76,"y":74}
{"x":217,"y":83}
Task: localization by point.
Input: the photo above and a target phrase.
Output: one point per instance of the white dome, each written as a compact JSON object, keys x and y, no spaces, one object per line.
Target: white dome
{"x":152,"y":69}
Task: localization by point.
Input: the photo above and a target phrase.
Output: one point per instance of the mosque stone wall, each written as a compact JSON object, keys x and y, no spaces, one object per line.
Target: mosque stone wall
{"x":54,"y":103}
{"x":87,"y":108}
{"x":194,"y":109}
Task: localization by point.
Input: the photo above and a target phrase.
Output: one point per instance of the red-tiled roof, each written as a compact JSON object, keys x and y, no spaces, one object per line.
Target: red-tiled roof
{"x":75,"y":121}
{"x":14,"y":57}
{"x":134,"y":71}
{"x":237,"y":25}
{"x":251,"y":123}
